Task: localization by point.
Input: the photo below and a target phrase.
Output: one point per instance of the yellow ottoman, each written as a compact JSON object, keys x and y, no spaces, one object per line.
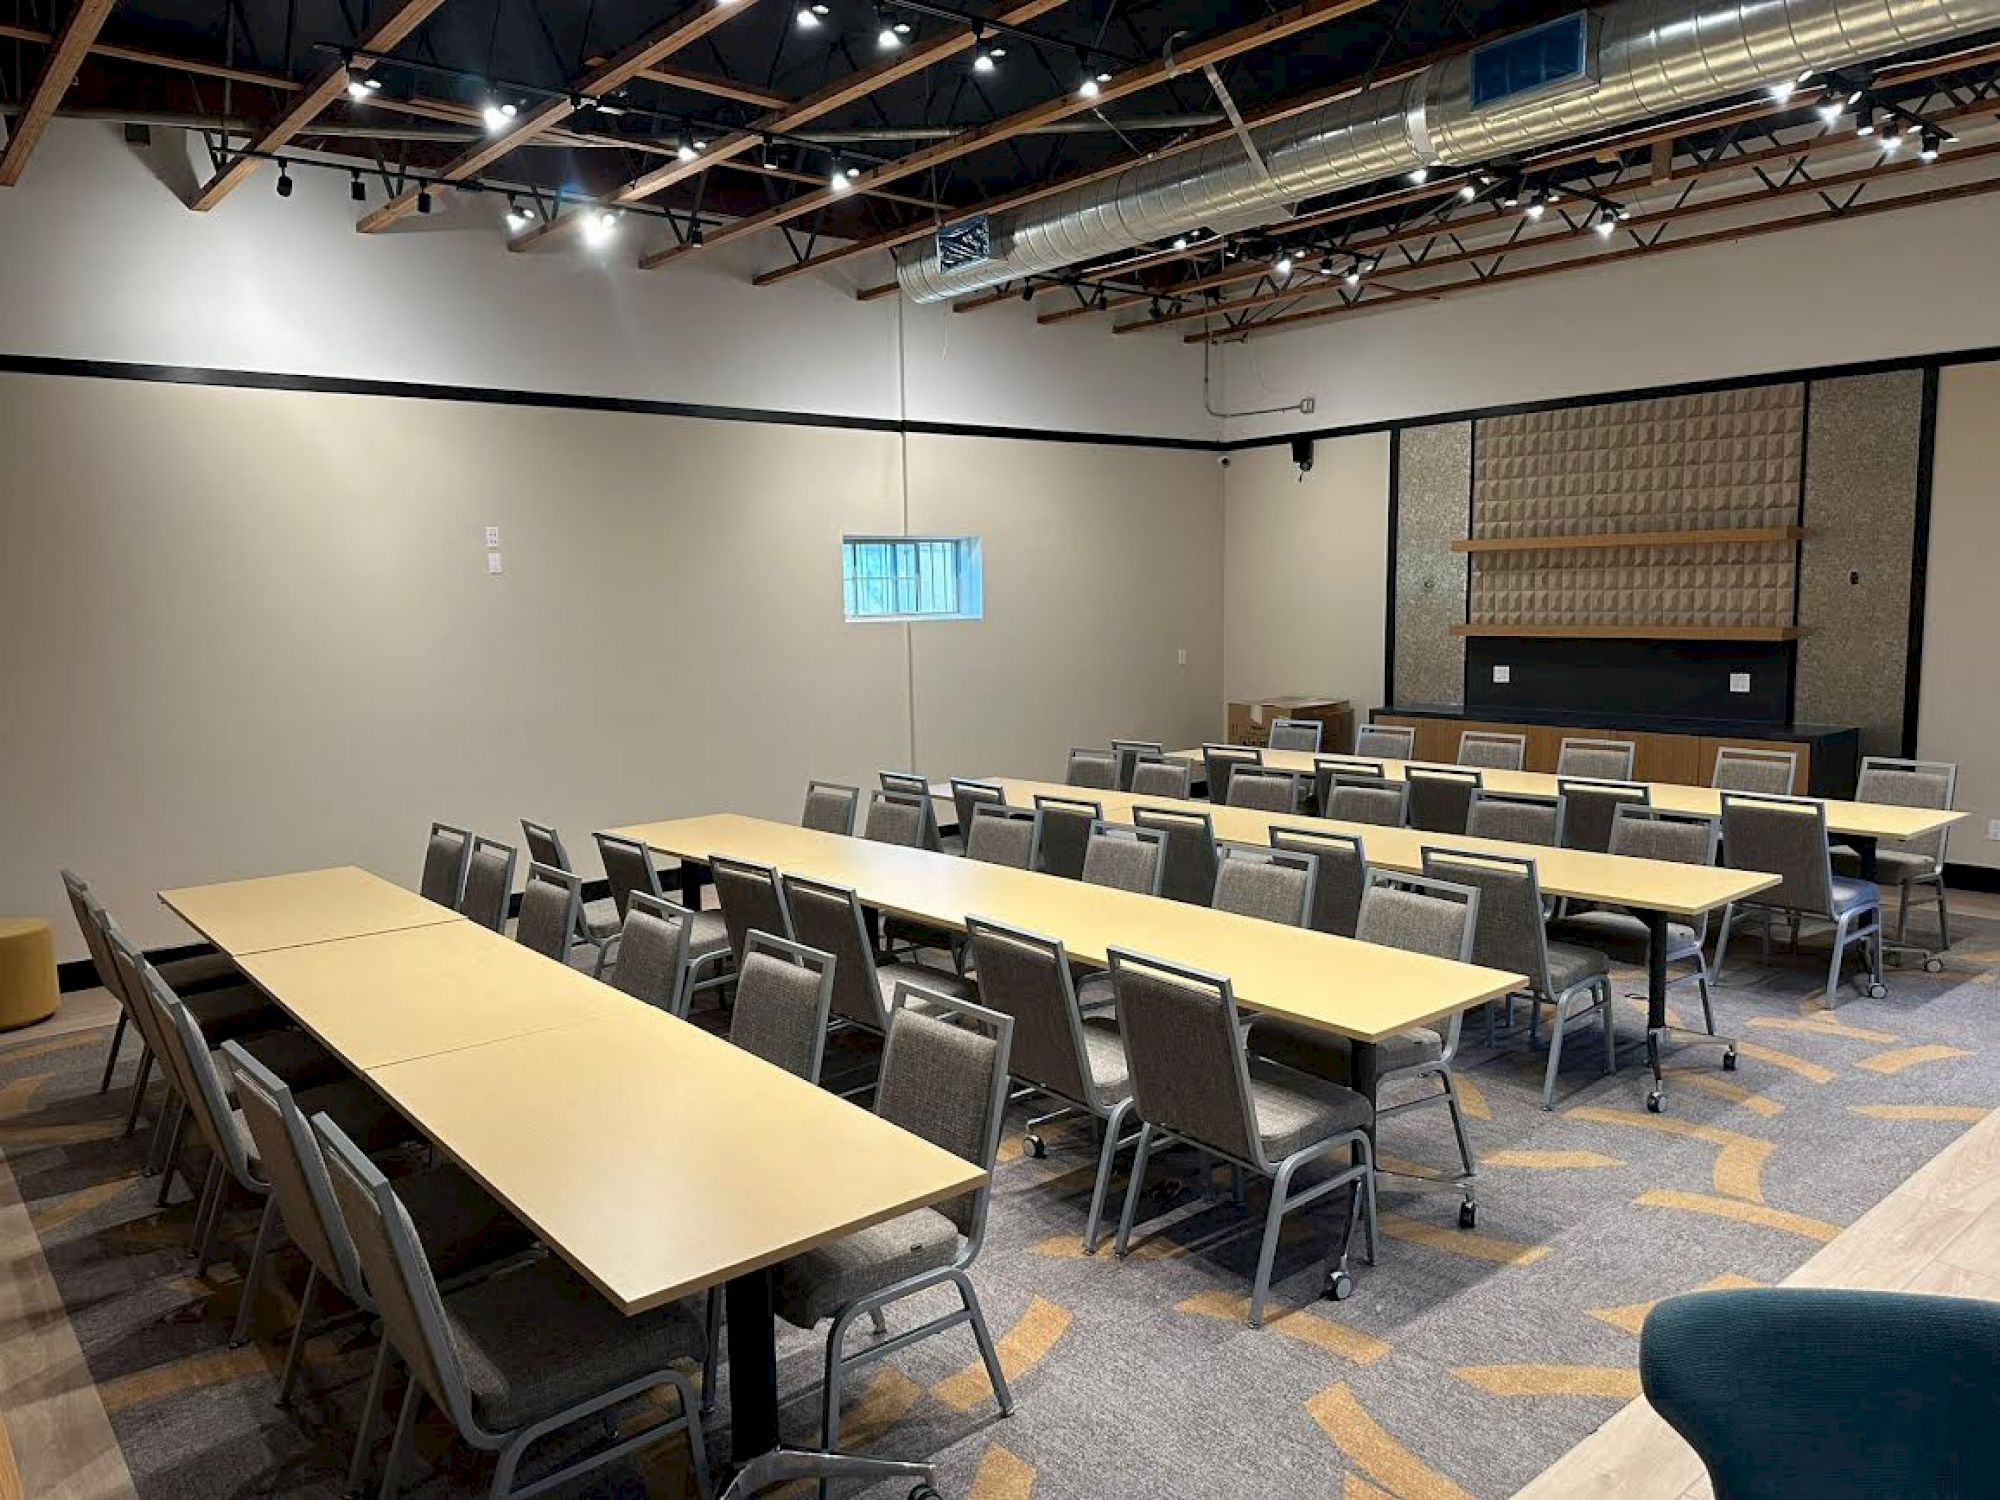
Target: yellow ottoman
{"x":27,"y":972}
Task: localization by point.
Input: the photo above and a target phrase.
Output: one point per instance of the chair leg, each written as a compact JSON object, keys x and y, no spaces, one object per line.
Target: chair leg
{"x":1701,"y":983}
{"x":829,"y":1416}
{"x":1107,"y":1158}
{"x":1132,"y":1191}
{"x":406,"y":1421}
{"x":711,"y":1359}
{"x":1902,"y":912}
{"x":995,"y":1375}
{"x":357,"y":1464}
{"x":1944,"y":918}
{"x":1722,"y":940}
{"x":206,"y":1204}
{"x":138,"y":1095}
{"x":169,"y":1160}
{"x":877,"y":1322}
{"x":1833,"y":964}
{"x":297,"y":1347}
{"x":253,"y":1277}
{"x":1458,"y":1124}
{"x":1555,"y":1052}
{"x":111,"y":1057}
{"x":1267,"y":1253}
{"x":1603,"y":987}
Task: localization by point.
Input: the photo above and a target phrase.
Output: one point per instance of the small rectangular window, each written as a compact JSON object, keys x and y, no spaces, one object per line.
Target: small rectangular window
{"x":911,"y":578}
{"x":1547,"y":57}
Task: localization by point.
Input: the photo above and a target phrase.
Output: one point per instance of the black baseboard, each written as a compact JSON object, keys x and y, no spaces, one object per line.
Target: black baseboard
{"x":1972,"y":877}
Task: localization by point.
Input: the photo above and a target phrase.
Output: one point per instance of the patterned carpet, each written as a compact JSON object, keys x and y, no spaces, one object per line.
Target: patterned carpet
{"x":1464,"y":1364}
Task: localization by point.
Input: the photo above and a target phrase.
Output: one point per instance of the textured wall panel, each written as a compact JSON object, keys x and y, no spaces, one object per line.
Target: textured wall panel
{"x":1854,"y":589}
{"x":1434,"y":478}
{"x":1734,"y":584}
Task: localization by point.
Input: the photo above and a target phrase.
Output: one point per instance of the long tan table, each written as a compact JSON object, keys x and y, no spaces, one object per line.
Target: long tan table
{"x":313,"y":906}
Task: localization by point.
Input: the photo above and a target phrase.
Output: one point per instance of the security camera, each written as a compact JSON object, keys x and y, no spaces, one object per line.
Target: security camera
{"x":1222,"y":460}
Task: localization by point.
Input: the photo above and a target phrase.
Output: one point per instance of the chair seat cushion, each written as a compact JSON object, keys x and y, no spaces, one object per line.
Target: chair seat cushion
{"x":817,"y":1284}
{"x":1892,"y":866}
{"x":938,"y":981}
{"x":539,"y":1340}
{"x":1324,"y":1055}
{"x":1570,"y":965}
{"x":1295,"y":1110}
{"x":1623,"y":935}
{"x":293,"y":1056}
{"x":1104,"y":1052}
{"x":1851,"y":895}
{"x":707,"y":934}
{"x":601,"y":919}
{"x":459,"y":1223}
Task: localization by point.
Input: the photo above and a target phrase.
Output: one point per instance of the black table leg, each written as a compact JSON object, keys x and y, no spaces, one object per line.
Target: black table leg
{"x":753,"y":1367}
{"x":1364,"y":1066}
{"x":1656,"y":1004}
{"x":1865,"y":847}
{"x":693,"y":875}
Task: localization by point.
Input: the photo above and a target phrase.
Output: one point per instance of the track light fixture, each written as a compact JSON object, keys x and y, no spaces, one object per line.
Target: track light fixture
{"x":1892,"y":137}
{"x":1607,"y":222}
{"x":1933,"y":142}
{"x":687,"y":150}
{"x":356,"y":188}
{"x":1537,"y":206}
{"x":1467,"y":193}
{"x":1326,"y":265}
{"x":767,"y":156}
{"x":1864,"y":123}
{"x":811,"y":16}
{"x":499,"y":116}
{"x":843,"y":175}
{"x":1283,"y":265}
{"x":695,"y":237}
{"x":423,"y":200}
{"x":1420,"y":175}
{"x":1180,"y":242}
{"x":1353,"y":276}
{"x":1831,"y":111}
{"x":284,"y":179}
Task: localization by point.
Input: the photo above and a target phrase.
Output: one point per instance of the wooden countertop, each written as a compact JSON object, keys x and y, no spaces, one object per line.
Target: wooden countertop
{"x":313,"y":906}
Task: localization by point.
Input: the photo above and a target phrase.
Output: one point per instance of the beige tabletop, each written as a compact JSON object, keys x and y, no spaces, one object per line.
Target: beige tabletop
{"x":314,"y":906}
{"x":1871,"y":820}
{"x":391,"y":996}
{"x":658,"y":1159}
{"x":1354,"y":989}
{"x":1612,"y":879}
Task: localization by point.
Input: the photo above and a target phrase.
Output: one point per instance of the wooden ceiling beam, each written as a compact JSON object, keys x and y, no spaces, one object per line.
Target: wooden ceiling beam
{"x":66,"y":55}
{"x":718,"y":88}
{"x":1272,"y":28}
{"x":150,"y":59}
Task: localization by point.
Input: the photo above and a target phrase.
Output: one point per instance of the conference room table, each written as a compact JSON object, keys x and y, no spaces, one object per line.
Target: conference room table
{"x":656,"y":1159}
{"x":1655,"y":891}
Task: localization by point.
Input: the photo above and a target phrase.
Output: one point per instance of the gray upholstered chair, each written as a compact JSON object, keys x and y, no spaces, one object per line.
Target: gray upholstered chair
{"x":1746,"y":768}
{"x":656,"y":953}
{"x":1131,"y":753}
{"x":629,"y":868}
{"x":1125,"y":858}
{"x":1190,"y":860}
{"x":1519,"y":817}
{"x":1786,"y":836}
{"x":551,"y":901}
{"x":901,"y":818}
{"x":1907,"y":864}
{"x":784,"y":1000}
{"x":1265,"y":791}
{"x":1386,"y":741}
{"x":1591,"y":807}
{"x":514,"y":1358}
{"x":1296,"y":734}
{"x":967,"y":795}
{"x":1066,"y":825}
{"x":1001,"y":835}
{"x":1492,"y":750}
{"x":1162,"y":778}
{"x":489,"y":881}
{"x":751,"y":898}
{"x":1193,"y":1083}
{"x":463,"y":1231}
{"x":446,"y":854}
{"x":1057,"y":1052}
{"x":1340,"y":880}
{"x":1329,"y":768}
{"x":909,"y":783}
{"x":1368,"y":799}
{"x":1218,"y":761}
{"x":1419,"y":914}
{"x":830,"y":807}
{"x":597,"y":922}
{"x":1440,"y":801}
{"x":830,"y":918}
{"x":1094,"y":770}
{"x":944,"y":1077}
{"x":1275,"y":885}
{"x":1600,"y":760}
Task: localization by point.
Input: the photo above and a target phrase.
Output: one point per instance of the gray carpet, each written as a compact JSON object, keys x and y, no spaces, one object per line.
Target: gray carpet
{"x":1464,"y":1364}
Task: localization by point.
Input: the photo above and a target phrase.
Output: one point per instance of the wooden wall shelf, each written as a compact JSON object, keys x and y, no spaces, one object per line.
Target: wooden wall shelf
{"x":1640,"y":632}
{"x":1570,"y":543}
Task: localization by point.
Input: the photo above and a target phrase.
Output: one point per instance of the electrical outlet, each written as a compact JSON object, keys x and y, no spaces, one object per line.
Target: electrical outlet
{"x":493,"y":562}
{"x":1503,"y":674}
{"x":1739,"y":682}
{"x":1183,"y":657}
{"x":492,"y":537}
{"x":1993,"y":829}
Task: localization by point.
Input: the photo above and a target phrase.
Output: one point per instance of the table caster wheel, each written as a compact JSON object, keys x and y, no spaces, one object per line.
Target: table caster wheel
{"x":1339,"y":1286}
{"x":1037,"y":1147}
{"x":1655,"y":1101}
{"x":1933,"y":966}
{"x":1878,"y":991}
{"x":1468,"y":1215}
{"x":1729,"y":1061}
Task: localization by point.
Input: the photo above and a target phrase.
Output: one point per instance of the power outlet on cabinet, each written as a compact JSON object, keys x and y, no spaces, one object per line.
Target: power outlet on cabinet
{"x":1739,"y":682}
{"x":1503,"y":674}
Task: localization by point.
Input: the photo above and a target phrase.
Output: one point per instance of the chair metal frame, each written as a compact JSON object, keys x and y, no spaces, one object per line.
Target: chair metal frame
{"x":967,"y":794}
{"x":498,"y":918}
{"x":1219,"y":762}
{"x":909,"y":783}
{"x":1628,"y":748}
{"x":1515,"y":745}
{"x":1403,"y":736}
{"x":1301,"y":860}
{"x":465,"y":837}
{"x":1417,"y":776}
{"x":659,"y":906}
{"x":1308,"y":734}
{"x":1863,"y":925}
{"x":1130,"y":753}
{"x":719,"y":959}
{"x":853,"y":796}
{"x":545,"y":847}
{"x":1947,"y":771}
{"x":572,"y":883}
{"x":1573,"y":788}
{"x":1360,"y":1168}
{"x":1104,"y":761}
{"x":1754,"y":755}
{"x":1125,"y":832}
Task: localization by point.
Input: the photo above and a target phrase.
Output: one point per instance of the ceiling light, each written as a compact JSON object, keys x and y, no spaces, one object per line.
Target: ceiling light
{"x":1864,"y":123}
{"x":996,"y":53}
{"x":902,"y":28}
{"x":423,"y":200}
{"x":1783,"y":91}
{"x":1283,"y":266}
{"x":887,"y":40}
{"x":1104,"y":78}
{"x":1536,"y":209}
{"x":1088,"y":88}
{"x":1805,"y":76}
{"x":497,"y":116}
{"x":1624,"y":213}
{"x":284,"y":180}
{"x":516,"y":219}
{"x":599,"y":227}
{"x":808,"y":18}
{"x":1180,"y":242}
{"x":1933,"y":143}
{"x":356,"y":89}
{"x":696,"y":239}
{"x":357,"y":189}
{"x":842,"y":177}
{"x":1830,"y":111}
{"x":982,"y":61}
{"x":1468,"y":192}
{"x":1892,"y":139}
{"x":686,"y":149}
{"x":1606,"y":223}
{"x":1353,"y":276}
{"x":768,"y":156}
{"x":1854,"y":98}
{"x":1326,"y":265}
{"x":1420,"y":174}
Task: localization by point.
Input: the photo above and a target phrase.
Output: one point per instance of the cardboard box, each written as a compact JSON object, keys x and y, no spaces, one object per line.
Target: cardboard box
{"x":1249,"y":723}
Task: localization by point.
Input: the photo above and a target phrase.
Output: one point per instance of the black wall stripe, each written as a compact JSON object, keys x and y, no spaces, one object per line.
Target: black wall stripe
{"x":1920,"y":561}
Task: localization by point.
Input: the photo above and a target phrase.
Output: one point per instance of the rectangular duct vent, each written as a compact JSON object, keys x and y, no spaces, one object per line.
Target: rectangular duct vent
{"x":1546,"y":57}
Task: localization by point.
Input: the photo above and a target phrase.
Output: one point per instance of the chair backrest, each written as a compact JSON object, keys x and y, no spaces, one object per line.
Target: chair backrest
{"x":84,"y":907}
{"x":397,"y":1274}
{"x":1521,"y":817}
{"x":1368,"y":799}
{"x":1125,"y":859}
{"x":1094,"y":769}
{"x":1185,"y":1047}
{"x":909,"y":783}
{"x":207,"y":1097}
{"x":1338,"y":882}
{"x":545,"y":845}
{"x":1419,"y":914}
{"x":967,"y":796}
{"x":653,"y":949}
{"x":1507,"y":922}
{"x":1002,"y":835}
{"x":1161,"y":778}
{"x":829,"y":918}
{"x":1783,"y":836}
{"x":944,"y":1077}
{"x":551,"y":907}
{"x":1066,"y":825}
{"x":830,"y":807}
{"x":489,"y":881}
{"x":1027,"y":976}
{"x":1601,"y":760}
{"x":751,"y":897}
{"x":1266,"y":791}
{"x":289,"y":1155}
{"x":1329,"y":768}
{"x":1130,"y":754}
{"x":1218,"y":761}
{"x":628,"y":868}
{"x":1657,"y":833}
{"x":901,"y":818}
{"x":1766,"y":1384}
{"x":1296,"y":734}
{"x":1386,"y":741}
{"x":126,"y":961}
{"x":1189,"y":873}
{"x":1743,"y":768}
{"x":1911,"y":783}
{"x":1274,"y":884}
{"x":1589,"y":808}
{"x":1492,"y":749}
{"x":784,"y":994}
{"x":445,"y":857}
{"x":1440,"y":801}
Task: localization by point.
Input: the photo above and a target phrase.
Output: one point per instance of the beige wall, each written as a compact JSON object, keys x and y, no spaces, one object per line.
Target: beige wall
{"x":1305,"y":572}
{"x":1959,"y":703}
{"x":253,"y":631}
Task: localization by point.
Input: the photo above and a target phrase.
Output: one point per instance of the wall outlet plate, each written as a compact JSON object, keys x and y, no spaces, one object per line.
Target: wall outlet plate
{"x":492,"y":562}
{"x":1739,"y":682}
{"x":1993,"y":829}
{"x":492,"y":537}
{"x":1182,"y":656}
{"x":1503,"y":674}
